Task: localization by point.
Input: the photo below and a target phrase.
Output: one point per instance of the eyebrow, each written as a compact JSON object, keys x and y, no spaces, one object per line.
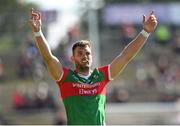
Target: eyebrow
{"x":87,"y":51}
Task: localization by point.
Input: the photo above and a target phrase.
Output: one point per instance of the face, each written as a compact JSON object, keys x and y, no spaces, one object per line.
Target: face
{"x":82,"y":58}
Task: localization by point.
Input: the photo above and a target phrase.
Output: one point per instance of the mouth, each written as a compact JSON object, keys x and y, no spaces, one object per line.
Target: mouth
{"x":85,"y":61}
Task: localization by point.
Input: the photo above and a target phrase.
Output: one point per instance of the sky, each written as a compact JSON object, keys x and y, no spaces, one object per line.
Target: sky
{"x":68,"y":15}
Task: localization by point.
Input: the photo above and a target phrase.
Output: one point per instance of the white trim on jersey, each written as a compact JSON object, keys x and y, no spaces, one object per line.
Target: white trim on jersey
{"x":109,"y":73}
{"x":61,"y":75}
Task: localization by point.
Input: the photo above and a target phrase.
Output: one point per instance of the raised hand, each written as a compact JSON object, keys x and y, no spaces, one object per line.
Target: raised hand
{"x":35,"y":20}
{"x":150,"y":23}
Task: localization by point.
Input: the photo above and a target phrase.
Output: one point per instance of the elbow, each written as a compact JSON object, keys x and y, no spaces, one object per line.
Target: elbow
{"x":116,"y":70}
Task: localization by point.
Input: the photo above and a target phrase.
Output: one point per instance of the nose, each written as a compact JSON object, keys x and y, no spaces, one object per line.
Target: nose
{"x":84,"y":56}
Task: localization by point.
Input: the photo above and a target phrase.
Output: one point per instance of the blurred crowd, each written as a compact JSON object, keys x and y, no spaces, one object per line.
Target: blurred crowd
{"x":40,"y":97}
{"x":158,"y":66}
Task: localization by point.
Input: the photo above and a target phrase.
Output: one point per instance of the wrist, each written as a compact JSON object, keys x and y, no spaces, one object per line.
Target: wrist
{"x":38,"y":34}
{"x":145,"y":33}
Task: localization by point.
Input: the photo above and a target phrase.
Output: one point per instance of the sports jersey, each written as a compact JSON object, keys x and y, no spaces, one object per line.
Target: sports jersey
{"x":84,"y":99}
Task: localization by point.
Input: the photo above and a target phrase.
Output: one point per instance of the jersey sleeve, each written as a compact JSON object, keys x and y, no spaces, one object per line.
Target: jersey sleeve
{"x":106,"y":71}
{"x":63,"y":76}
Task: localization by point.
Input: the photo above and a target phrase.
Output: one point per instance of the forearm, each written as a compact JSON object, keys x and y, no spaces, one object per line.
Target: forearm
{"x":119,"y":63}
{"x":134,"y":46}
{"x":43,"y":47}
{"x":53,"y":64}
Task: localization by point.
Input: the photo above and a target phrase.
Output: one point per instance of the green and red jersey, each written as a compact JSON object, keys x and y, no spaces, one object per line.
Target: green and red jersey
{"x":84,"y":99}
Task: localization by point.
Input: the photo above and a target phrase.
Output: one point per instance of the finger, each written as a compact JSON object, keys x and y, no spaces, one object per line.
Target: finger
{"x":32,"y":9}
{"x":150,"y":15}
{"x":144,"y":18}
{"x":152,"y":12}
{"x":30,"y":13}
{"x":38,"y":16}
{"x":153,"y":18}
{"x":34,"y":14}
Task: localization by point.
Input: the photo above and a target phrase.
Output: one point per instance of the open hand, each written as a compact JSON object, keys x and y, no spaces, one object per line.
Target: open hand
{"x":150,"y":23}
{"x":35,"y":20}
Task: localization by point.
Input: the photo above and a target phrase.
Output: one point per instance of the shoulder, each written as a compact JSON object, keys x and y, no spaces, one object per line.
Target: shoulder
{"x":66,"y":71}
{"x":105,"y":70}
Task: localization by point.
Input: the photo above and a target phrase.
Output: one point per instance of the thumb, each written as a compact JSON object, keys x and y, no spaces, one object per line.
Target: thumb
{"x":38,"y":16}
{"x":30,"y":13}
{"x":144,"y":19}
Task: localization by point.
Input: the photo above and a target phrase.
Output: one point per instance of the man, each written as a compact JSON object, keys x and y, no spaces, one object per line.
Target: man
{"x":83,"y":89}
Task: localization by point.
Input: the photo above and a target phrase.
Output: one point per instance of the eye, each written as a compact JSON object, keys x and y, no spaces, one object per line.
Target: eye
{"x":80,"y":52}
{"x":88,"y":53}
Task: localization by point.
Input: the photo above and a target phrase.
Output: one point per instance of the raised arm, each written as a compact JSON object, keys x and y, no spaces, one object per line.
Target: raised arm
{"x":134,"y":46}
{"x":53,"y":64}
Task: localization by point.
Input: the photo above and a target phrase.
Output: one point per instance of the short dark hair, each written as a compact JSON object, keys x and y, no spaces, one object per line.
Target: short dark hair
{"x":81,"y":43}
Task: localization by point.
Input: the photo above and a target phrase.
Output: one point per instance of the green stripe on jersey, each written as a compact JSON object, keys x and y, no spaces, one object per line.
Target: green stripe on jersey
{"x":85,"y":110}
{"x":96,"y":76}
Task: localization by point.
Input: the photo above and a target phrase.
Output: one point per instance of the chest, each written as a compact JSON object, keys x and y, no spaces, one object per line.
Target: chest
{"x":79,"y":86}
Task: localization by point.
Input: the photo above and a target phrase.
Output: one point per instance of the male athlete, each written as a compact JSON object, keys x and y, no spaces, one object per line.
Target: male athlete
{"x":83,"y":89}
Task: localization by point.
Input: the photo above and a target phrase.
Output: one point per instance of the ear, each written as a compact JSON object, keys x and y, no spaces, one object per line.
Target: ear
{"x":72,"y":59}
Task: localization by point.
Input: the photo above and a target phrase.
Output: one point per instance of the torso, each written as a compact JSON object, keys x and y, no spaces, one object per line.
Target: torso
{"x":84,"y":98}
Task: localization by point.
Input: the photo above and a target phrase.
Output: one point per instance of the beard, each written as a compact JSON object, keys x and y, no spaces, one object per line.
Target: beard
{"x":83,"y":67}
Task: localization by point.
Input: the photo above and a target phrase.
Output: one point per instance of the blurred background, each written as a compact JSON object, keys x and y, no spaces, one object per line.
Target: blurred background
{"x":147,"y":91}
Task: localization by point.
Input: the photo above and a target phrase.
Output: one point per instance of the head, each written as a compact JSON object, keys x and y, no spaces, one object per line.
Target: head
{"x":82,"y":57}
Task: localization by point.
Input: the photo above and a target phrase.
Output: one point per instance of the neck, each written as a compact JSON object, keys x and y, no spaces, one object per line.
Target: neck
{"x":83,"y":72}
